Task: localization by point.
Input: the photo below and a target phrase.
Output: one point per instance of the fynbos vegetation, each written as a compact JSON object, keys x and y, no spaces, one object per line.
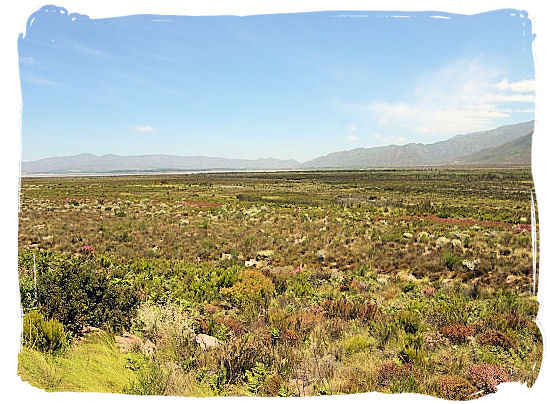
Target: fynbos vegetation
{"x":279,"y":284}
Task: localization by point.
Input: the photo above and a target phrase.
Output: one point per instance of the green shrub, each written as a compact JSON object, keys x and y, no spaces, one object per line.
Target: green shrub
{"x":255,"y":378}
{"x":44,"y":335}
{"x":452,"y":261}
{"x":151,"y":380}
{"x":77,"y":292}
{"x":409,"y":321}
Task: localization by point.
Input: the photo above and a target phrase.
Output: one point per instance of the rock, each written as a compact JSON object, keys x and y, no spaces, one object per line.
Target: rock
{"x":470,"y":264}
{"x":407,"y":235}
{"x":207,"y":341}
{"x":250,"y":263}
{"x":149,"y":347}
{"x":128,"y":342}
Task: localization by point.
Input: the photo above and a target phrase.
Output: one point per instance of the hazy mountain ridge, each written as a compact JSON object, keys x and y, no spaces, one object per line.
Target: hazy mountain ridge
{"x":514,"y":153}
{"x":90,"y":163}
{"x":418,"y":154}
{"x":504,"y":146}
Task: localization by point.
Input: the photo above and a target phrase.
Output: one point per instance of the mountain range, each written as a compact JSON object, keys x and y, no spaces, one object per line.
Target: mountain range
{"x":504,"y":146}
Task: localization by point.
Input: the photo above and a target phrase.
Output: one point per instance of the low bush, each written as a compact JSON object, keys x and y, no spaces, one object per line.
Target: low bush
{"x":495,"y":338}
{"x":349,"y":309}
{"x":44,"y":335}
{"x":457,"y":333}
{"x":487,"y":376}
{"x":453,"y":387}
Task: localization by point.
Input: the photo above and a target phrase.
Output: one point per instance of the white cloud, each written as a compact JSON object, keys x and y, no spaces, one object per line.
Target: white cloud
{"x":352,"y":128}
{"x":143,"y":128}
{"x":517,"y":86}
{"x":352,"y":139}
{"x":461,"y":97}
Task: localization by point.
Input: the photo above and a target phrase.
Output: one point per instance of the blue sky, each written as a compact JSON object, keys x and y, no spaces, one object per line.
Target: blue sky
{"x":286,"y":86}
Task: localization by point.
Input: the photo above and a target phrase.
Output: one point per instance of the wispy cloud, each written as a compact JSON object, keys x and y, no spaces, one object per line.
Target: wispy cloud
{"x":143,"y":129}
{"x":518,"y":86}
{"x":460,"y":97}
{"x":352,"y":139}
{"x":86,"y":50}
{"x":38,"y":80}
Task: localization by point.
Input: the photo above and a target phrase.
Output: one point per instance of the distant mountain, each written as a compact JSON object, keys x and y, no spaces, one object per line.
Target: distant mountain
{"x":111,"y":163}
{"x":503,"y":146}
{"x":514,"y":153}
{"x":418,"y":154}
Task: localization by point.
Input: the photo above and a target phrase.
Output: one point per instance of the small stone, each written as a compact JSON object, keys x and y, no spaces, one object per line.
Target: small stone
{"x":407,"y":235}
{"x":250,"y":263}
{"x":206,"y":341}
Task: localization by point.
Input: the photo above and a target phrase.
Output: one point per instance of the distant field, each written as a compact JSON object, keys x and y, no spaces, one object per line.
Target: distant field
{"x":315,"y":282}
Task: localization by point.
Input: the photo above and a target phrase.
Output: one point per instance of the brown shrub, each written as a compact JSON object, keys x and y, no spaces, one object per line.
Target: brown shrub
{"x":457,"y":333}
{"x":309,"y":318}
{"x":201,"y":325}
{"x":453,"y":387}
{"x":289,"y":336}
{"x":210,"y":308}
{"x":495,"y":338}
{"x":348,"y":309}
{"x":487,"y":376}
{"x":271,"y":385}
{"x":513,"y":321}
{"x":242,"y":354}
{"x":390,"y":372}
{"x":232,"y":324}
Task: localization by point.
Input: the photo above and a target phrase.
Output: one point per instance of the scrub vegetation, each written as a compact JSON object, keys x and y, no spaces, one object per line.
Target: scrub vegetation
{"x":279,"y":284}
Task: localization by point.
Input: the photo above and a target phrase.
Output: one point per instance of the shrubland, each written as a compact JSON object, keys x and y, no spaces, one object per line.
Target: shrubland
{"x":280,"y":284}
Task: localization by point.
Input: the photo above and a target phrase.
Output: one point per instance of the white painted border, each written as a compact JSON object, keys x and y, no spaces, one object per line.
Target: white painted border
{"x":14,"y":18}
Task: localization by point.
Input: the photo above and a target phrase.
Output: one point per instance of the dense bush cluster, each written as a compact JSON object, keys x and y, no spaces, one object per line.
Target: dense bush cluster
{"x":77,"y":292}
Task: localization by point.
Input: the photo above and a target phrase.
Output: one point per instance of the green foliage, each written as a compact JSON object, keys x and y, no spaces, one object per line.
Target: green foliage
{"x":256,"y":377}
{"x":452,"y":262}
{"x":76,"y":292}
{"x":44,"y":335}
{"x":250,"y":293}
{"x":409,"y":321}
{"x":299,"y":286}
{"x":151,"y":379}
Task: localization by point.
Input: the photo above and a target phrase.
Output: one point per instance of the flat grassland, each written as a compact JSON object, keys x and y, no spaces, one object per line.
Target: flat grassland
{"x":280,"y":284}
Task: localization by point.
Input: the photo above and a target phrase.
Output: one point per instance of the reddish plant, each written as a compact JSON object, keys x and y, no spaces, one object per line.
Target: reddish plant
{"x":488,"y":376}
{"x":495,"y":338}
{"x":87,"y":249}
{"x":457,"y":333}
{"x":390,"y":372}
